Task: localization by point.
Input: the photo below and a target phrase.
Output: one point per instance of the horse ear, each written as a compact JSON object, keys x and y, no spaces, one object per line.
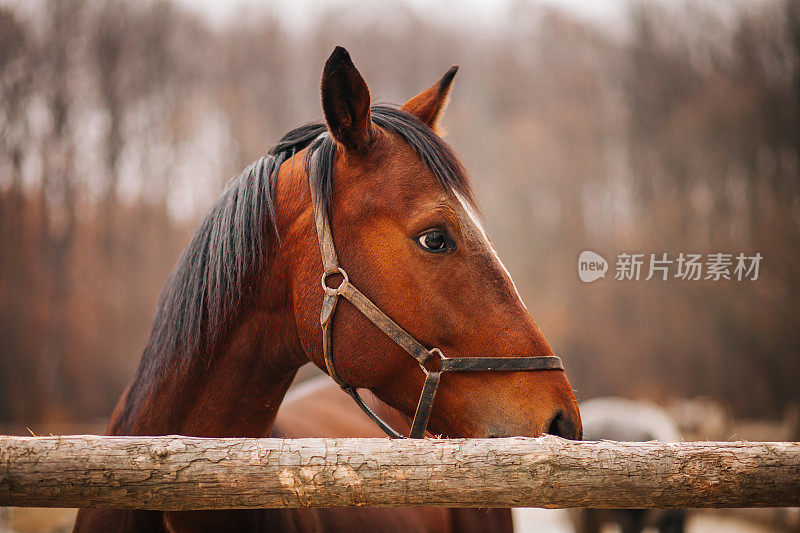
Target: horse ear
{"x":429,"y":105}
{"x":345,"y":101}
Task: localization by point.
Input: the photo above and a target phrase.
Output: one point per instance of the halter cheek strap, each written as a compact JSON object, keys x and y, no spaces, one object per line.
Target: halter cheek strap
{"x":405,"y":340}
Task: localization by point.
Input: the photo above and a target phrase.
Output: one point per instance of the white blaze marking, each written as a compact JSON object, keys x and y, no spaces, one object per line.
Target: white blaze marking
{"x":477,"y":222}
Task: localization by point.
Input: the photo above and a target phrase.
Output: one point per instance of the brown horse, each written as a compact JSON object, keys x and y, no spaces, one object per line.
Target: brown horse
{"x":240,"y":312}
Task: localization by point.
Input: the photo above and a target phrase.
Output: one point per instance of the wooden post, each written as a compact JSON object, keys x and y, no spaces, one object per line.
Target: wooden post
{"x":181,"y":473}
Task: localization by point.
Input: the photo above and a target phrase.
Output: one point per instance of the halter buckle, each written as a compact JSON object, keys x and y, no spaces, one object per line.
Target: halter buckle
{"x":334,"y":291}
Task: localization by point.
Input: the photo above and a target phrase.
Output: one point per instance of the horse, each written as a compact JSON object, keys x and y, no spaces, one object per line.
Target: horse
{"x":318,"y":408}
{"x":626,"y":420}
{"x":371,"y":197}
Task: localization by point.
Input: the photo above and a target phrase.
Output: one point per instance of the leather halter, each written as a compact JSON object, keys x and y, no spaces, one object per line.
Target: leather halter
{"x":404,"y":339}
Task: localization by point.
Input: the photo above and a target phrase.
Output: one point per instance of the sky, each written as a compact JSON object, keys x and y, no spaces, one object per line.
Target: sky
{"x":482,"y":12}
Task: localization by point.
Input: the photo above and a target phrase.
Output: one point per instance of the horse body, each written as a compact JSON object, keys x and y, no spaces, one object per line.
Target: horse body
{"x":240,"y":312}
{"x":318,"y":408}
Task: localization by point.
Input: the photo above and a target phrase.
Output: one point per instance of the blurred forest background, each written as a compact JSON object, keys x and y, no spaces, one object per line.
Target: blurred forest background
{"x":120,"y":122}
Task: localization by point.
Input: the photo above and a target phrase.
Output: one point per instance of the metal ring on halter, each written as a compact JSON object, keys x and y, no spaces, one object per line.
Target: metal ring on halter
{"x":333,"y":291}
{"x":432,"y":351}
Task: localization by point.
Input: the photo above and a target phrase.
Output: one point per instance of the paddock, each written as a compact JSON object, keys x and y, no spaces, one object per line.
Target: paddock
{"x":181,"y":473}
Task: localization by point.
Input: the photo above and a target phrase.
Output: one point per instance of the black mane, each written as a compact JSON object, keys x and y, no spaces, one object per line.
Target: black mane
{"x":214,"y":274}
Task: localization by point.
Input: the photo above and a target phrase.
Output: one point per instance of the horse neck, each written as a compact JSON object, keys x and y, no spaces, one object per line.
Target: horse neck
{"x":236,"y":390}
{"x":233,"y":392}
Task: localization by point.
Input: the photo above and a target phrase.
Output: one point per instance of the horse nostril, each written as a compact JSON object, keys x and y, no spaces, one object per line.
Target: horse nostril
{"x":564,"y":426}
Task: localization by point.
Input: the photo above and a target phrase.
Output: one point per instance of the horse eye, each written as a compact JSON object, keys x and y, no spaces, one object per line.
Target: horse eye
{"x":433,"y":241}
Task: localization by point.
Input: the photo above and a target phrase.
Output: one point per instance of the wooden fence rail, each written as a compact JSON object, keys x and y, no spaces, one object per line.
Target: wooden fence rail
{"x":179,"y":473}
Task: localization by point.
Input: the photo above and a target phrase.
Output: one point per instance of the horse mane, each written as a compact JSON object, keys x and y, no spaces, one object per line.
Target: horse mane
{"x":215,"y":273}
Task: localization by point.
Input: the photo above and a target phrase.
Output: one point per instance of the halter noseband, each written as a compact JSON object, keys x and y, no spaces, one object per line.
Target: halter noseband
{"x":404,"y":339}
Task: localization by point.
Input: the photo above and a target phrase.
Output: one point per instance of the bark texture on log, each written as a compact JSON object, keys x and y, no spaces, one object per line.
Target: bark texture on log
{"x":182,"y":473}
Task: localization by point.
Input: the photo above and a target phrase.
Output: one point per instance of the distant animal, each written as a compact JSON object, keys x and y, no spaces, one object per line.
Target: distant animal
{"x":372,"y":207}
{"x":625,"y":420}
